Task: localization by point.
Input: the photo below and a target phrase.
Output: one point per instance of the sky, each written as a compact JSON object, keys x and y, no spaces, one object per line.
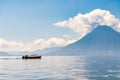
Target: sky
{"x":38,"y":24}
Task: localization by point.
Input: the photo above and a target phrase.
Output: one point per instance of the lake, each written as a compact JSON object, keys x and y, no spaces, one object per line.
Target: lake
{"x":60,"y":68}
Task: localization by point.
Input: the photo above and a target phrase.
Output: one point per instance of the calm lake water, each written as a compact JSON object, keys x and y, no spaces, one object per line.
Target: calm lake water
{"x":60,"y":68}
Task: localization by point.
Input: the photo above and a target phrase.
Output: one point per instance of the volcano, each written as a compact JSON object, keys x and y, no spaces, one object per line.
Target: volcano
{"x":102,"y":40}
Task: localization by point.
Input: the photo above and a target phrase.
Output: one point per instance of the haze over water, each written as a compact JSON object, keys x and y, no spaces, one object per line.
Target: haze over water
{"x":60,"y":68}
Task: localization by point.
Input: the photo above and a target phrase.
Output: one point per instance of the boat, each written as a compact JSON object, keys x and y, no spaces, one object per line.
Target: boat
{"x":34,"y":56}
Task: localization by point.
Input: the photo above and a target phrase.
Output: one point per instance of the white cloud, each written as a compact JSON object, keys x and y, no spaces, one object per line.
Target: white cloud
{"x":84,"y":23}
{"x":10,"y":45}
{"x":37,"y":44}
{"x":52,"y":42}
{"x":66,"y":36}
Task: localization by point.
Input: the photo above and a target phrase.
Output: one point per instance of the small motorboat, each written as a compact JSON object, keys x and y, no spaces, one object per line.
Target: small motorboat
{"x":34,"y":56}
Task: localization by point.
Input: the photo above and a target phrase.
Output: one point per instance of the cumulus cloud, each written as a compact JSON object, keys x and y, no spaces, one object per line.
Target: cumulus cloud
{"x":10,"y":45}
{"x":37,"y":44}
{"x":52,"y":42}
{"x":84,"y":23}
{"x":66,"y":36}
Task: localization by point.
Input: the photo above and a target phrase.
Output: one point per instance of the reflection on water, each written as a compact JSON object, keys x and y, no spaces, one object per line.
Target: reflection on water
{"x":60,"y":68}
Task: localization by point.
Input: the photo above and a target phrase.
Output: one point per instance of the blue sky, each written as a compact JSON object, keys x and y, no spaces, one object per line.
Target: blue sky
{"x":27,"y":20}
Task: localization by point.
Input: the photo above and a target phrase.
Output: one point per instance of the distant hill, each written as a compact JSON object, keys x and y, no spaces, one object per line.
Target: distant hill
{"x":102,"y":40}
{"x":39,"y":52}
{"x":4,"y":54}
{"x":46,"y":50}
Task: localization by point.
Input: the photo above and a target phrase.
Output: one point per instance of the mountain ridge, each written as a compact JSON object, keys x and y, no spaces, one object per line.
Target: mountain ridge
{"x":102,"y":40}
{"x":4,"y":54}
